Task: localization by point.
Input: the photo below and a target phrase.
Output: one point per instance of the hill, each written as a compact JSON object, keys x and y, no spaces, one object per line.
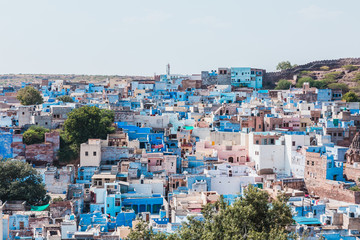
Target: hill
{"x":338,"y":71}
{"x":17,"y":79}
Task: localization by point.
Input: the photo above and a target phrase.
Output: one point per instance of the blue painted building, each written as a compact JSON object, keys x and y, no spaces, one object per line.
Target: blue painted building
{"x":324,"y":95}
{"x":6,"y":140}
{"x":247,"y":77}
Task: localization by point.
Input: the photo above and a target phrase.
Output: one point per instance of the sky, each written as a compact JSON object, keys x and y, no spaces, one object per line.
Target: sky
{"x":139,"y":37}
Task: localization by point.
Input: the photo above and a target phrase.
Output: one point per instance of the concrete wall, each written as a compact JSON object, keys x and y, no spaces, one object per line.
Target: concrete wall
{"x":90,"y":153}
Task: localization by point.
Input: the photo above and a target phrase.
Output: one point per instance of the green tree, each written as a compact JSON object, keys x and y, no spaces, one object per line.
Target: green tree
{"x":332,"y":77}
{"x":87,"y":122}
{"x":29,"y":96}
{"x":34,"y":135}
{"x":65,"y":98}
{"x":284,"y":65}
{"x":283,"y":84}
{"x":66,"y":153}
{"x":250,"y":217}
{"x":144,"y":232}
{"x":351,"y":97}
{"x":344,"y":87}
{"x":20,"y":181}
{"x":303,"y":80}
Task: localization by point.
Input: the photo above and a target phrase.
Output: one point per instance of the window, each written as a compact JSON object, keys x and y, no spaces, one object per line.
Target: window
{"x":21,"y":224}
{"x":293,"y":143}
{"x":339,"y":134}
{"x":265,"y":141}
{"x":94,"y":153}
{"x":117,"y":202}
{"x":86,"y":153}
{"x":312,"y":163}
{"x":308,"y":162}
{"x":272,"y":141}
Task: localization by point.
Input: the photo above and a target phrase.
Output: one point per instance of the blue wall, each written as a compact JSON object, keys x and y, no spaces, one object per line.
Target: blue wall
{"x":5,"y":145}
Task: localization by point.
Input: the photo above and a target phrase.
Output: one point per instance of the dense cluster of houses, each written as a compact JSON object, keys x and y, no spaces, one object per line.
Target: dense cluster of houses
{"x":181,"y":142}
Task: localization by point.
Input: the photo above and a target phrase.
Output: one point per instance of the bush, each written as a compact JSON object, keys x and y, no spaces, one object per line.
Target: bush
{"x":320,"y":84}
{"x":325,"y":68}
{"x":356,"y":78}
{"x":333,"y":75}
{"x":350,"y":97}
{"x":344,"y":87}
{"x":65,"y":98}
{"x":34,"y":135}
{"x":58,"y":199}
{"x":283,"y":84}
{"x":306,"y":73}
{"x":303,"y":80}
{"x":355,"y":188}
{"x":350,"y":67}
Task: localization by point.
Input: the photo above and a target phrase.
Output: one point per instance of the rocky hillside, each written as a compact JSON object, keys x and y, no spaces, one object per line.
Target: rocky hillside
{"x":339,"y":71}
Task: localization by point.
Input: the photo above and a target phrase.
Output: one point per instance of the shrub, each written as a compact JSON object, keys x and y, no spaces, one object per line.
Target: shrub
{"x":350,"y":97}
{"x":355,"y":188}
{"x":325,"y":68}
{"x":65,"y":98}
{"x":34,"y":135}
{"x":303,"y":80}
{"x":344,"y":87}
{"x":332,"y":77}
{"x":306,"y":73}
{"x":283,"y":84}
{"x":320,"y":84}
{"x":350,"y":67}
{"x":356,"y":78}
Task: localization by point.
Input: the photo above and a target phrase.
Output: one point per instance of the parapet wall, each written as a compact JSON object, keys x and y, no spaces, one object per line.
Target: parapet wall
{"x":332,"y":189}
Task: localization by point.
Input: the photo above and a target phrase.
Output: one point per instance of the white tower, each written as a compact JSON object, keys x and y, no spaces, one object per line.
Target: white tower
{"x":168,"y":71}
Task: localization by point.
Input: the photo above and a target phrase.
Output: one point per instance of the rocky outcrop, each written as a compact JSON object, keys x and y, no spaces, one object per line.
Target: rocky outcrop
{"x":352,"y":155}
{"x":271,"y":78}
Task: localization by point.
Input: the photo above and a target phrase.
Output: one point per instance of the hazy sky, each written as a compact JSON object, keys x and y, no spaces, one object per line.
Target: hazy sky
{"x":140,"y":37}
